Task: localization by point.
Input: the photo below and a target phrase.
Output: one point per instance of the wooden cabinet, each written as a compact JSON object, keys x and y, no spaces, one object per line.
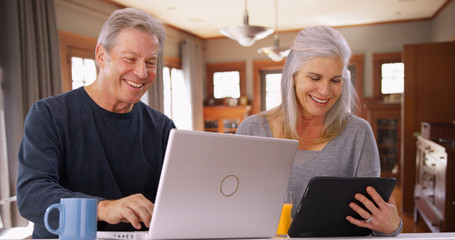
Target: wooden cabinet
{"x":224,"y":119}
{"x":429,"y":85}
{"x":385,"y":121}
{"x":434,"y":191}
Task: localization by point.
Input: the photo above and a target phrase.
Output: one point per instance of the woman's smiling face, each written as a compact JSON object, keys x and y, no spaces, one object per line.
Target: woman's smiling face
{"x":318,"y":85}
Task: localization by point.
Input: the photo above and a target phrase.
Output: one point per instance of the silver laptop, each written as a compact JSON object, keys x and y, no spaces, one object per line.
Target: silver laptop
{"x":216,"y":185}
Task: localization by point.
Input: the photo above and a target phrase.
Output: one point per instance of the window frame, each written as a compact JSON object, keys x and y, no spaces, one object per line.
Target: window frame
{"x":172,"y":62}
{"x":258,"y":67}
{"x":211,"y":68}
{"x":378,"y":60}
{"x":73,"y":45}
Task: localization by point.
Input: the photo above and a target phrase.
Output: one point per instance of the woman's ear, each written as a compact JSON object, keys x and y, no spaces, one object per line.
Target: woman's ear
{"x":100,"y":55}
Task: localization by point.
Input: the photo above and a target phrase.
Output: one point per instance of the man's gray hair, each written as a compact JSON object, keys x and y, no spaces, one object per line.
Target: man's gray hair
{"x":130,"y":18}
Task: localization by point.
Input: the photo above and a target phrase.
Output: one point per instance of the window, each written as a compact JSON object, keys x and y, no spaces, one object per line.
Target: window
{"x":225,"y":80}
{"x":265,"y":91}
{"x":388,"y":75}
{"x":83,"y":71}
{"x":226,"y":84}
{"x":392,"y":78}
{"x":176,"y":106}
{"x":272,"y":89}
{"x":77,"y":56}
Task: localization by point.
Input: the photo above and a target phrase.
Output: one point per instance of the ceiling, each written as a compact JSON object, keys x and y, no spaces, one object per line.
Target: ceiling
{"x":204,"y":18}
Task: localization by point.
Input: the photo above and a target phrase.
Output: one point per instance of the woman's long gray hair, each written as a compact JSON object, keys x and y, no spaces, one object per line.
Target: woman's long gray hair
{"x":312,"y":42}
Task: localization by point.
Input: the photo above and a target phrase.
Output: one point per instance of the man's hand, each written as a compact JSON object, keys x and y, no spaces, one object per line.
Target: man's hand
{"x":133,"y":209}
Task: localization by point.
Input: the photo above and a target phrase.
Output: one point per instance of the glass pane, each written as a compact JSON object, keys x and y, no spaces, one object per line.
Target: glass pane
{"x":392,"y":78}
{"x":167,"y":93}
{"x":181,"y":102}
{"x":89,"y":71}
{"x":272,"y":90}
{"x":83,"y":71}
{"x":226,"y":84}
{"x":77,"y":72}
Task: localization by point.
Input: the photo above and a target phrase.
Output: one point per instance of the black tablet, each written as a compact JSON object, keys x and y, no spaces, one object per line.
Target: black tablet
{"x":325,"y":204}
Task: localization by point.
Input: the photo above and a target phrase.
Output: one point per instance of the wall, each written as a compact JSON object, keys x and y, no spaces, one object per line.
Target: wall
{"x":91,"y":15}
{"x":444,"y":24}
{"x":362,"y":39}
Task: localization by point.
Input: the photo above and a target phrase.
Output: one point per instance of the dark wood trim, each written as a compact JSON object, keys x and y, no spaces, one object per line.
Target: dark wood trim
{"x":358,"y":62}
{"x":172,"y":62}
{"x":441,"y":8}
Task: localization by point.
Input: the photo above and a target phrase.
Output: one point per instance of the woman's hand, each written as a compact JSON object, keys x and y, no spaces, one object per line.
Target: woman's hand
{"x":383,"y":218}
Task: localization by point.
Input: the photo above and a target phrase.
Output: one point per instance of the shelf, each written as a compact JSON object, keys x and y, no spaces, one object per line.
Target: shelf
{"x":224,"y":119}
{"x":385,"y":122}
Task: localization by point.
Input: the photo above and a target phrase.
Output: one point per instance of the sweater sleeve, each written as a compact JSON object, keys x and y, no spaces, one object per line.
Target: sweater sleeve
{"x":369,"y":162}
{"x":38,"y":165}
{"x":370,"y":165}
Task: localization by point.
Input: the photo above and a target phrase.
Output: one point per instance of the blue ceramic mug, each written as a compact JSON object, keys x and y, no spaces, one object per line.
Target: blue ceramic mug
{"x":77,"y":218}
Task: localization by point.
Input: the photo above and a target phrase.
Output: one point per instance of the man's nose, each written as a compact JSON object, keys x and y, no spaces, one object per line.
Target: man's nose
{"x":140,"y":70}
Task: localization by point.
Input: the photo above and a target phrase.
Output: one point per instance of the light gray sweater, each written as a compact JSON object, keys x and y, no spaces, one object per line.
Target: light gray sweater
{"x":353,"y":153}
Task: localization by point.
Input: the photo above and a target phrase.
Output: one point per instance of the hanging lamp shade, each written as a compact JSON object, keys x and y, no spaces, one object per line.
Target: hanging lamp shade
{"x":246,"y":34}
{"x":275,"y":52}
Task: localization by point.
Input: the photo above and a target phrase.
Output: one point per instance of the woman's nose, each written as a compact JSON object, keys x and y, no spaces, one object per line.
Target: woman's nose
{"x":324,"y":87}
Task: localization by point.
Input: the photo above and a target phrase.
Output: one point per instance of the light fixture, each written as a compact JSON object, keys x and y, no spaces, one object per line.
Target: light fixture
{"x":246,"y":34}
{"x":275,"y":52}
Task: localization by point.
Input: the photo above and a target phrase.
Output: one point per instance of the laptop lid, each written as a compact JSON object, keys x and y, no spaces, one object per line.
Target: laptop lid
{"x":325,"y":204}
{"x":217,"y":185}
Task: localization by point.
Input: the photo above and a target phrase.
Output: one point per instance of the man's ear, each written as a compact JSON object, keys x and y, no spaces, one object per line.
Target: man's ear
{"x":100,"y":55}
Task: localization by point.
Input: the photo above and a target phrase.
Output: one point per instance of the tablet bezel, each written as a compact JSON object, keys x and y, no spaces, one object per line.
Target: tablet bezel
{"x":325,"y":204}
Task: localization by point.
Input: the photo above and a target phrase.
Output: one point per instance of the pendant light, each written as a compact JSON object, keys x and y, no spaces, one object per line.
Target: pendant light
{"x":246,"y":34}
{"x":275,"y":52}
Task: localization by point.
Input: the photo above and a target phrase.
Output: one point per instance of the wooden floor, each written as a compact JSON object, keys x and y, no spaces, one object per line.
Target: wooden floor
{"x":408,"y":220}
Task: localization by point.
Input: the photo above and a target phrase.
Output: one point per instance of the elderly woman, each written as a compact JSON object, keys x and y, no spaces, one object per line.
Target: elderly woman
{"x":318,"y":102}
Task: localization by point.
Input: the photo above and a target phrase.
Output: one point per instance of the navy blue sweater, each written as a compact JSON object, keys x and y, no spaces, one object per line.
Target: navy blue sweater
{"x":73,"y":148}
